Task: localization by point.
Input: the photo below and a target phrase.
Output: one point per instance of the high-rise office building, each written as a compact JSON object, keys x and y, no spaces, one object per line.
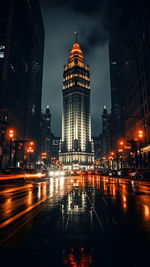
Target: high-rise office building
{"x":129,"y":71}
{"x":117,"y":22}
{"x":46,"y":132}
{"x":76,"y":145}
{"x":49,"y":142}
{"x":106,"y":132}
{"x":21,"y":67}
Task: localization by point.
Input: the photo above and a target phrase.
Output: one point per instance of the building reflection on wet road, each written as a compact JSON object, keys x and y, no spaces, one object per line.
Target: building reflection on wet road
{"x":75,"y":221}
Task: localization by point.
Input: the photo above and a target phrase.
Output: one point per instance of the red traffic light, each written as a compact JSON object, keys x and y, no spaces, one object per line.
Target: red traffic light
{"x":140,"y":134}
{"x":44,"y":155}
{"x":30,"y":147}
{"x":11,"y":133}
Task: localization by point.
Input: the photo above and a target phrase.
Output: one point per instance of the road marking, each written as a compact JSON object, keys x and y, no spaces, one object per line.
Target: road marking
{"x":104,"y":200}
{"x":93,"y":208}
{"x":4,"y":224}
{"x":67,"y":223}
{"x":20,"y":214}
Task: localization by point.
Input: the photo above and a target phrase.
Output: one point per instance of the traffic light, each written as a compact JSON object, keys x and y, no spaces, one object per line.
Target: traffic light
{"x":140,"y":134}
{"x":30,"y":147}
{"x":11,"y":133}
{"x":44,"y":155}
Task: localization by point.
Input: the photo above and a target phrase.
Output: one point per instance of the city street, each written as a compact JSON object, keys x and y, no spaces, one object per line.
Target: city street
{"x":75,"y":221}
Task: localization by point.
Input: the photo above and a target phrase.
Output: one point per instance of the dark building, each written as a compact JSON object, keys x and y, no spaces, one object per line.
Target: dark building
{"x":49,"y":142}
{"x":55,"y":146}
{"x":136,"y":62}
{"x":132,"y":43}
{"x":21,"y":66}
{"x":46,"y":132}
{"x":98,"y":146}
{"x":106,"y":133}
{"x":77,"y":145}
{"x":117,"y":22}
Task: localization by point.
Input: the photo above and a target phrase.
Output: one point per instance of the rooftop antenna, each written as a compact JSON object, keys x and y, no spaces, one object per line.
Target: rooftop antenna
{"x":76,"y":35}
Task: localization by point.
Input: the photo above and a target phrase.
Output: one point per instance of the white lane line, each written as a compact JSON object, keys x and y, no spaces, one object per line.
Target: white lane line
{"x":67,"y":223}
{"x":93,"y":208}
{"x":104,"y":200}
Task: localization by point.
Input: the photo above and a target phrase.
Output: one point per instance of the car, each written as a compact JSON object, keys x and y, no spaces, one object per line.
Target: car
{"x":146,"y":174}
{"x":132,"y":174}
{"x":140,"y":173}
{"x":124,"y":172}
{"x":113,"y":173}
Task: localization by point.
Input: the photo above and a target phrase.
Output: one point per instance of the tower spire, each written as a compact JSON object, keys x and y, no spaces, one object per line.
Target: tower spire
{"x":76,"y":35}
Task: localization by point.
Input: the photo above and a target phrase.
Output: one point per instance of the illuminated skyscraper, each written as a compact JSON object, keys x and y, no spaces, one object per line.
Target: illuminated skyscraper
{"x":76,"y":145}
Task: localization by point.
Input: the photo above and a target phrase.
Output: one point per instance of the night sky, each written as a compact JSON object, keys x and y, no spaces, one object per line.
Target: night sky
{"x":61,"y":18}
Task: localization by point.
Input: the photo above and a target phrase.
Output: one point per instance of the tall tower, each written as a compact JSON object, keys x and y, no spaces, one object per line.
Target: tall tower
{"x":46,"y":132}
{"x":76,"y":145}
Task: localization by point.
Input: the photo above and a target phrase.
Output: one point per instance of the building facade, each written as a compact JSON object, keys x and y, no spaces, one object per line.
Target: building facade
{"x":46,"y":132}
{"x":136,"y":62}
{"x":76,"y":145}
{"x":130,"y":80}
{"x":117,"y":27}
{"x":97,"y":146}
{"x":106,"y":133}
{"x":21,"y":67}
{"x":49,"y":142}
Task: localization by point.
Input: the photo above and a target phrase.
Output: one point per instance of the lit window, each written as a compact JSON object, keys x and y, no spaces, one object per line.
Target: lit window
{"x":1,"y":54}
{"x":2,"y":47}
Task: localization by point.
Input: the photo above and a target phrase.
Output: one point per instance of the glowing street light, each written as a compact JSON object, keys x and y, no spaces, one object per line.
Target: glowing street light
{"x":121,"y":143}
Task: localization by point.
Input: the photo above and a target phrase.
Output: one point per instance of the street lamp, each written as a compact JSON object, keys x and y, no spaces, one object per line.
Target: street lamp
{"x":121,"y":144}
{"x":30,"y":150}
{"x":11,"y":133}
{"x":140,"y":136}
{"x":112,"y":154}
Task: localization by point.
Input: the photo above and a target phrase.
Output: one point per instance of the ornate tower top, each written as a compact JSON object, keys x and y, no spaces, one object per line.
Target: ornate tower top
{"x":76,"y":50}
{"x":76,"y":56}
{"x":76,"y":73}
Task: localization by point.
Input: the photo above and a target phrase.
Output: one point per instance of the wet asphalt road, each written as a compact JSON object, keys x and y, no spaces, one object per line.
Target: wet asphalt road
{"x":75,"y":221}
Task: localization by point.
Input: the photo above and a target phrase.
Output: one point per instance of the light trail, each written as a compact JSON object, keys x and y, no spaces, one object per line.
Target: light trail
{"x":19,"y":176}
{"x":11,"y":190}
{"x":50,"y":197}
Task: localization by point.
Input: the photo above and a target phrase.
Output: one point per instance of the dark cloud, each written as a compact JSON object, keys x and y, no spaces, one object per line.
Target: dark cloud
{"x":97,"y":36}
{"x":85,"y":7}
{"x":99,"y":10}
